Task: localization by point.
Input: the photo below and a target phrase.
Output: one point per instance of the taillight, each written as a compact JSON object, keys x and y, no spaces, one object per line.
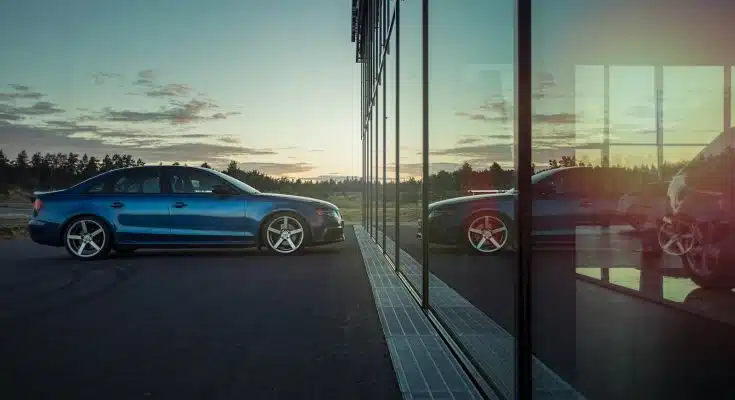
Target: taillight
{"x":37,"y":204}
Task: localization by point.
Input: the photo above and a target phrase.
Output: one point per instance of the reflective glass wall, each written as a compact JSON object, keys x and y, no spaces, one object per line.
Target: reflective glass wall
{"x":630,"y":277}
{"x":471,"y":137}
{"x":626,"y":95}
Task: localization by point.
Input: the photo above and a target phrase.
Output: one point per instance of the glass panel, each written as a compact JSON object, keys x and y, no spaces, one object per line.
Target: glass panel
{"x":379,"y":164}
{"x":627,"y":288}
{"x":632,"y":104}
{"x":471,"y":136}
{"x":391,"y":203}
{"x":693,"y":104}
{"x":410,"y":86}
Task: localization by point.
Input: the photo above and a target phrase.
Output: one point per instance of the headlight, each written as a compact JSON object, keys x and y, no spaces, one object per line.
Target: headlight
{"x":328,"y":212}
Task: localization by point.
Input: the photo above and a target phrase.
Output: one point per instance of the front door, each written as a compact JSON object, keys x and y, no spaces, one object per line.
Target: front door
{"x":199,"y":216}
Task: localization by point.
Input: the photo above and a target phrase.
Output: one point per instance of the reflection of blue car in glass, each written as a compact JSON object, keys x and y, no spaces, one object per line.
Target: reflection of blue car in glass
{"x":174,"y":207}
{"x":564,"y":199}
{"x":699,"y":227}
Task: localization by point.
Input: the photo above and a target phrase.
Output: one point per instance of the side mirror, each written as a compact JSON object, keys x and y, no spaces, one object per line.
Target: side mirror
{"x":222,"y":190}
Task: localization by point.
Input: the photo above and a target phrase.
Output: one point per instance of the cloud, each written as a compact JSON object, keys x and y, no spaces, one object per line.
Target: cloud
{"x":20,"y":92}
{"x":11,"y":113}
{"x":69,"y":136}
{"x":560,"y":118}
{"x":145,"y":78}
{"x":174,"y":113}
{"x":101,"y":77}
{"x":503,"y":153}
{"x":170,"y":90}
{"x":276,"y":168}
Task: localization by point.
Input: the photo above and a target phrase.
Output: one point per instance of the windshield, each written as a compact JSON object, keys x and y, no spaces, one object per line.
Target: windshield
{"x":237,"y":183}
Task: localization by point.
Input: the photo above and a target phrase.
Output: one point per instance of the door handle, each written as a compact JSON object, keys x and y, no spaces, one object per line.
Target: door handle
{"x":179,"y":204}
{"x":117,"y":204}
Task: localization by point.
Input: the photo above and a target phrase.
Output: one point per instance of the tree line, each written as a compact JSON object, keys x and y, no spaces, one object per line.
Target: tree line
{"x":58,"y":170}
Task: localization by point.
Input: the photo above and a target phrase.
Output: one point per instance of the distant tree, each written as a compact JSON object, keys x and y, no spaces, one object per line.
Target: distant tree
{"x":205,"y":165}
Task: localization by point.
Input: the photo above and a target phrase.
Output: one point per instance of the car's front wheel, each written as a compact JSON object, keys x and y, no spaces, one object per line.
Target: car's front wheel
{"x":87,"y":238}
{"x":707,"y":270}
{"x":488,"y":233}
{"x":285,"y":233}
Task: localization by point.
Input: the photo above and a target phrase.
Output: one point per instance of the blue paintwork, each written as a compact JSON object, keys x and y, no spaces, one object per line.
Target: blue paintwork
{"x":153,"y":220}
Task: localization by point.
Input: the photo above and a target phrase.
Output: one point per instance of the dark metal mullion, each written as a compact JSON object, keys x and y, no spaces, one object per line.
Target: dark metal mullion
{"x":523,"y":217}
{"x":425,"y":155}
{"x":397,"y":235}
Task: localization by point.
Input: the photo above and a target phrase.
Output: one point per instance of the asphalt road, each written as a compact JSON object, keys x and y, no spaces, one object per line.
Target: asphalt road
{"x":190,"y":325}
{"x":607,"y":343}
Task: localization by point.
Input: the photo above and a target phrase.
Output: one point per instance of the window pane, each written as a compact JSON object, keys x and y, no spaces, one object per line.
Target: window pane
{"x":618,"y":309}
{"x":693,"y":104}
{"x":471,"y":135}
{"x":411,"y":133}
{"x":139,"y":181}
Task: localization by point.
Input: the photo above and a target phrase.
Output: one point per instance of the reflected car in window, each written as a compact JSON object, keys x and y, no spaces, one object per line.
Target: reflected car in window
{"x":175,"y":207}
{"x":699,"y":226}
{"x":564,"y":199}
{"x":647,"y":205}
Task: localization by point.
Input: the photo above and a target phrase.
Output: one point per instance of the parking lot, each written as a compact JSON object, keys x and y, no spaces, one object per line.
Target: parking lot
{"x":190,"y":324}
{"x":235,"y":324}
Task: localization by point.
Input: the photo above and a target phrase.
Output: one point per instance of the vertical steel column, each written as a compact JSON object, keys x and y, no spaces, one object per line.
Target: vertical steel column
{"x":606,"y":127}
{"x":658,"y":77}
{"x":727,"y":100}
{"x":377,"y":158}
{"x":523,"y":210}
{"x":397,"y":235}
{"x":425,"y":156}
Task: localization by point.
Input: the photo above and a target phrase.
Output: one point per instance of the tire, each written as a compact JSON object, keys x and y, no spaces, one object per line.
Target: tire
{"x":709,"y":272}
{"x":487,"y":233}
{"x":285,"y":234}
{"x":87,"y":238}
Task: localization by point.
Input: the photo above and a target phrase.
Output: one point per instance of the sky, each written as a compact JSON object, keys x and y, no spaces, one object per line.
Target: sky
{"x":274,"y":84}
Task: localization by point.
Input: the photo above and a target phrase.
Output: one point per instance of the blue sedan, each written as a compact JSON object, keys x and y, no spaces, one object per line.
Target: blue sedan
{"x":175,"y":207}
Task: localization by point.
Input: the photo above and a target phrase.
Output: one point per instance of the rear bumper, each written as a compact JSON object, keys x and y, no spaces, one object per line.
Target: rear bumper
{"x":45,"y":233}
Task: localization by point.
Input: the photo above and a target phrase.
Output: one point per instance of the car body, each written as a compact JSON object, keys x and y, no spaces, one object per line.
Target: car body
{"x":647,"y":205}
{"x":700,"y":225}
{"x":564,"y":199}
{"x":179,"y":206}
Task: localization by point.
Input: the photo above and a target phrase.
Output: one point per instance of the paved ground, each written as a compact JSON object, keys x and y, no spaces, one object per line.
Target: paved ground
{"x":190,"y":325}
{"x":608,"y":344}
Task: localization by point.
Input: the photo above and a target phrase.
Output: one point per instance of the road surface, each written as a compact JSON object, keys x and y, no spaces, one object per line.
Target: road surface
{"x":190,"y":325}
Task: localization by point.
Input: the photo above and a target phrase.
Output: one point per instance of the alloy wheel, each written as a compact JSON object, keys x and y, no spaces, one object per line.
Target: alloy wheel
{"x":86,"y":238}
{"x":487,"y":234}
{"x":677,"y":238}
{"x":285,"y":234}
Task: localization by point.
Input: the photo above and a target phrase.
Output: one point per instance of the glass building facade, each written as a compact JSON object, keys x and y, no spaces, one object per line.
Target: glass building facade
{"x":517,"y":159}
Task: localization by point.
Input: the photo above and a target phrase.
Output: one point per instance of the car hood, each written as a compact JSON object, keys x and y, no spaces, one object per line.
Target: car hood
{"x":300,"y":199}
{"x":467,"y":199}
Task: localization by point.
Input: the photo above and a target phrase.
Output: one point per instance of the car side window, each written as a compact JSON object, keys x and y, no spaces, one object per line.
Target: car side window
{"x":193,"y":182}
{"x":97,"y":187}
{"x":138,"y":181}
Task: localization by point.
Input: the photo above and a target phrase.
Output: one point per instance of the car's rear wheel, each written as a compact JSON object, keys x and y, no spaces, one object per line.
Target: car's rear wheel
{"x":706,"y":269}
{"x":87,"y":238}
{"x":488,"y":233}
{"x":285,"y":233}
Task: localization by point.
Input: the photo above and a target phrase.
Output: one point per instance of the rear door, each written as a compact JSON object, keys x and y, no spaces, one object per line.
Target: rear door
{"x":135,"y":201}
{"x":200,"y":216}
